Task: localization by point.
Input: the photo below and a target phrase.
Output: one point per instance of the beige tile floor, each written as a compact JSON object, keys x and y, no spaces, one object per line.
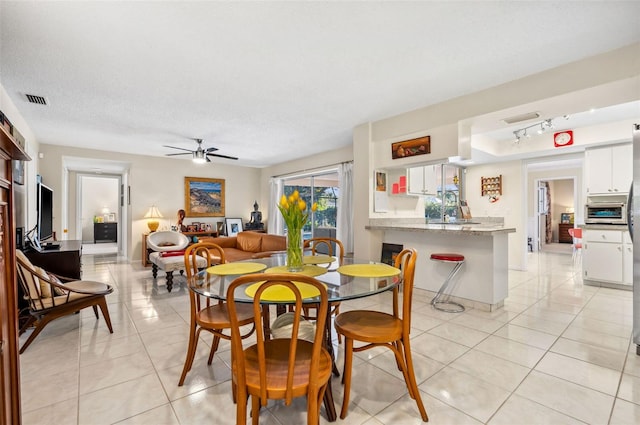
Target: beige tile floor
{"x":558,"y":352}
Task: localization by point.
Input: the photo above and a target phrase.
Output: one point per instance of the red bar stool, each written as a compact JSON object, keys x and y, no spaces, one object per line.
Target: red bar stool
{"x":437,"y":301}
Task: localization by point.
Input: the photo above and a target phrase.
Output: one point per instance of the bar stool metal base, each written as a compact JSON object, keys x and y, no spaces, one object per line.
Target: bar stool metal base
{"x":438,"y":302}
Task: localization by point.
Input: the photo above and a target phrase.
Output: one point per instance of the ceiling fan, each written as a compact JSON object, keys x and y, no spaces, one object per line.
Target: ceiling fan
{"x":200,"y":155}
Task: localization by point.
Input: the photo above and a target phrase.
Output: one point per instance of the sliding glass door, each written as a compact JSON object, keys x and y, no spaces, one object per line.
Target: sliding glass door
{"x":322,"y":189}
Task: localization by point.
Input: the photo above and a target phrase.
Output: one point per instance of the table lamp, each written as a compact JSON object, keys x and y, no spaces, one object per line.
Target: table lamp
{"x":153,"y":214}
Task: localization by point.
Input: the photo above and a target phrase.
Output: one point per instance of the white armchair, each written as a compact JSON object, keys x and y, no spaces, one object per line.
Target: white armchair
{"x":167,"y":241}
{"x":168,"y":254}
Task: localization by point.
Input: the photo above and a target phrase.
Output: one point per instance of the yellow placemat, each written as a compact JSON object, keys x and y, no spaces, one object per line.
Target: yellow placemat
{"x":281,"y":293}
{"x":318,"y":259}
{"x":236,"y":268}
{"x":368,"y":270}
{"x":307,"y":270}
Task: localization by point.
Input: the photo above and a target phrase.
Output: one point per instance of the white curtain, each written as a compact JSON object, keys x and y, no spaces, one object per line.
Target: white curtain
{"x":344,"y":230}
{"x":275,"y":224}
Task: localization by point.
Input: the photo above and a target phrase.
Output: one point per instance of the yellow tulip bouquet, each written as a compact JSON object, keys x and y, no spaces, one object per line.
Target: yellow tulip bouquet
{"x":295,"y":215}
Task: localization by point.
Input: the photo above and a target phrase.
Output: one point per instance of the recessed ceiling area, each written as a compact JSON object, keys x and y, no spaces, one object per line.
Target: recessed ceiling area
{"x":624,"y":111}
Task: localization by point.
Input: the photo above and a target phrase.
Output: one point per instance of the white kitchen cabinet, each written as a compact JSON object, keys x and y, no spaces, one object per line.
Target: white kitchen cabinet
{"x":603,"y":255}
{"x":609,"y":170}
{"x":423,"y":180}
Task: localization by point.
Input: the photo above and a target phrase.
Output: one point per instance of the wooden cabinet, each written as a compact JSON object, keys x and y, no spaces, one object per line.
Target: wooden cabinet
{"x":105,"y":232}
{"x":66,"y":261}
{"x":609,"y":170}
{"x":563,"y":233}
{"x":603,"y":255}
{"x":423,"y":180}
{"x":9,"y":359}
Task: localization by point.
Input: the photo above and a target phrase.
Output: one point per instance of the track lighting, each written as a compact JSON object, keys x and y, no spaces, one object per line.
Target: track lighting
{"x":542,"y":127}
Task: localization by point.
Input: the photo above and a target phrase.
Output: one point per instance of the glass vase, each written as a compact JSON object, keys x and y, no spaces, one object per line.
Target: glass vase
{"x":294,"y":250}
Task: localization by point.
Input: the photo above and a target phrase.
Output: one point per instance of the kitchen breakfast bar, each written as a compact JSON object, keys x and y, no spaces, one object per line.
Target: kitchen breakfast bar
{"x":482,"y":282}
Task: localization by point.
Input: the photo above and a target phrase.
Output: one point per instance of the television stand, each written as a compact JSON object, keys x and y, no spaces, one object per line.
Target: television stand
{"x":64,"y":259}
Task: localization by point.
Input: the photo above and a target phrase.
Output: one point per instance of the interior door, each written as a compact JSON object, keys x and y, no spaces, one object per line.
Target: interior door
{"x":542,"y":211}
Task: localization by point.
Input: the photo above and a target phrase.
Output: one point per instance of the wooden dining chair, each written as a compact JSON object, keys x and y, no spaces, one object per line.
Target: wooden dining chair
{"x":331,"y":247}
{"x":326,"y":245}
{"x":378,"y":329}
{"x":206,"y":314}
{"x":278,"y":368}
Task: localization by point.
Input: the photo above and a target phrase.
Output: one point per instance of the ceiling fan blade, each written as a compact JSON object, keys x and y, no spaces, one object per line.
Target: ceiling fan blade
{"x":212,"y":149}
{"x":181,"y":153}
{"x":221,"y":156}
{"x":208,"y":160}
{"x":174,"y":147}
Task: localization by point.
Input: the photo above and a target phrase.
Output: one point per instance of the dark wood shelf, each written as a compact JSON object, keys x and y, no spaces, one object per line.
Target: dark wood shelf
{"x":491,"y":186}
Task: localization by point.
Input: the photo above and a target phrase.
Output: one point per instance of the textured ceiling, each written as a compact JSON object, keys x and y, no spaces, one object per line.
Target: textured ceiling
{"x":275,"y":81}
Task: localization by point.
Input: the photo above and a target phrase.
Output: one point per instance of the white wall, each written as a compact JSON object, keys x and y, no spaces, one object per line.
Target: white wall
{"x":24,"y":195}
{"x":154,"y":181}
{"x":509,"y":205}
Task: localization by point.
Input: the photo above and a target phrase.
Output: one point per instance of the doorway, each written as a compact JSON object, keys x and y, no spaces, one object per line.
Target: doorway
{"x":99,"y":219}
{"x":567,"y":198}
{"x":74,"y":168}
{"x":556,"y":202}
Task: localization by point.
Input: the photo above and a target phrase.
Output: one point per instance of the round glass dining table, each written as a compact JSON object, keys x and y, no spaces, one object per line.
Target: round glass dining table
{"x":353,"y":279}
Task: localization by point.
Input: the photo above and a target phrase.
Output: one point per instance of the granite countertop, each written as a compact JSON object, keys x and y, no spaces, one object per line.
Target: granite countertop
{"x":480,"y":229}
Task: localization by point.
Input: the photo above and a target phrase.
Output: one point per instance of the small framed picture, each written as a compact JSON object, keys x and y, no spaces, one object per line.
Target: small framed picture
{"x":192,"y":227}
{"x":566,"y":218}
{"x":203,"y":227}
{"x":111,"y":218}
{"x":381,"y":181}
{"x":233,"y":226}
{"x":220,"y":228}
{"x":208,"y":228}
{"x":18,"y":172}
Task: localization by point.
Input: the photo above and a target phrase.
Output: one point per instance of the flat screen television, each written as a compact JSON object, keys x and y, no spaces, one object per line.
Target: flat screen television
{"x":45,"y":212}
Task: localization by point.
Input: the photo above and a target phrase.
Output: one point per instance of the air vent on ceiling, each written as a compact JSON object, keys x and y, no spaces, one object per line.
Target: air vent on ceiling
{"x":524,"y":117}
{"x":36,"y":99}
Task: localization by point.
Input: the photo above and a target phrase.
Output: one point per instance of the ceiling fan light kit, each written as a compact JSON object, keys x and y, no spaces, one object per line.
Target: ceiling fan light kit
{"x":200,"y":155}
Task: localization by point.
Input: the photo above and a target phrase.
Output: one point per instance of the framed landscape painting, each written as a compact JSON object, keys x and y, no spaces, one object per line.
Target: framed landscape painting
{"x":203,"y":197}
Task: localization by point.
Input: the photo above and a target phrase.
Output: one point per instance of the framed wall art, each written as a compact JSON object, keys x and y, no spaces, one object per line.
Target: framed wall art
{"x":203,"y":197}
{"x":381,"y":181}
{"x":233,"y":226}
{"x":220,"y":228}
{"x":18,"y":171}
{"x":413,"y":147}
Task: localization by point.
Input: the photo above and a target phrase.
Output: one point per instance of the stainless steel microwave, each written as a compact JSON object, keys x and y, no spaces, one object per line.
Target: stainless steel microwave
{"x":605,"y":213}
